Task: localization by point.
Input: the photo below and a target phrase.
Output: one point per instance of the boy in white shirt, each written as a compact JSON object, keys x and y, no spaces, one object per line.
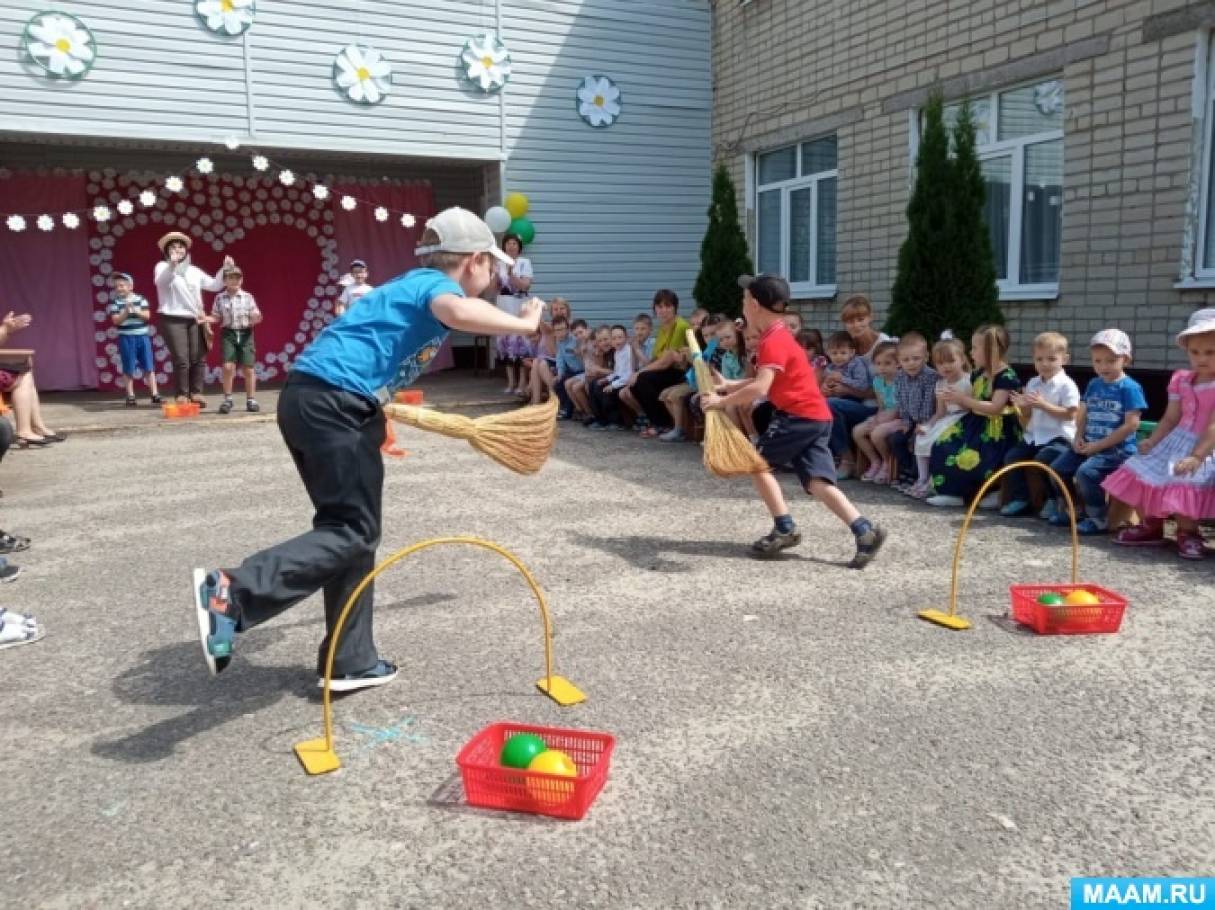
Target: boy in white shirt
{"x":236,"y":312}
{"x":605,"y":392}
{"x":356,"y":287}
{"x":1047,"y":409}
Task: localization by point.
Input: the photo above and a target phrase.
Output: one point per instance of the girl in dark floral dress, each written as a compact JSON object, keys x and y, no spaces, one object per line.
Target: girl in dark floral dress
{"x":974,"y":448}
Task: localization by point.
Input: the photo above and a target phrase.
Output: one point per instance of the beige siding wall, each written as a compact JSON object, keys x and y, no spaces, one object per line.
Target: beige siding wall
{"x":791,"y":69}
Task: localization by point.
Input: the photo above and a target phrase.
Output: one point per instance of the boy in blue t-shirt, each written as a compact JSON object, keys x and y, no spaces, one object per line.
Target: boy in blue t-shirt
{"x":130,"y":313}
{"x":331,"y":418}
{"x":1107,"y":420}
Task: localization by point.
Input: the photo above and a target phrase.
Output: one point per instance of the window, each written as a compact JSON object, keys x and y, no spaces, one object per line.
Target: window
{"x":1204,"y":258}
{"x":795,"y":214}
{"x":1020,"y":143}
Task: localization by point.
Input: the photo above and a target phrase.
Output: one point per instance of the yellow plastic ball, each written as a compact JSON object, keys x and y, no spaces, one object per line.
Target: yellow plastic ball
{"x":1081,"y":598}
{"x":551,"y":792}
{"x":517,"y":204}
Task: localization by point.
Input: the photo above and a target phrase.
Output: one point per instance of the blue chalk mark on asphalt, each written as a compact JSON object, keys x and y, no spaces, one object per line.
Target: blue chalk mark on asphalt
{"x":398,"y":732}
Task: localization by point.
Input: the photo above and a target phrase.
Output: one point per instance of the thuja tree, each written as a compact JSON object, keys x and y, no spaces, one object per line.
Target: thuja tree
{"x":723,"y":252}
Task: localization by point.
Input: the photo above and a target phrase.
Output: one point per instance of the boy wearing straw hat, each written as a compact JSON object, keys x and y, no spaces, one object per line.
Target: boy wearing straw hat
{"x":331,"y":417}
{"x":800,"y":431}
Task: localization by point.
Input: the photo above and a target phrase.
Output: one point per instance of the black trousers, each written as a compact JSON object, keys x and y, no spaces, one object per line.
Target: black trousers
{"x":605,"y":405}
{"x":188,"y":350}
{"x":649,"y":385}
{"x":334,"y":437}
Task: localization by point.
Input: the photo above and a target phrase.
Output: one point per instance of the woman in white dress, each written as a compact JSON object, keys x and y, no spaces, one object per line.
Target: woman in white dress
{"x":182,"y":316}
{"x":514,"y":285}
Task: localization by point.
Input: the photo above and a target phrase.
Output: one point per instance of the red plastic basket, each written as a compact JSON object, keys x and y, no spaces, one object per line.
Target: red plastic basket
{"x":489,"y":785}
{"x":1105,"y":616}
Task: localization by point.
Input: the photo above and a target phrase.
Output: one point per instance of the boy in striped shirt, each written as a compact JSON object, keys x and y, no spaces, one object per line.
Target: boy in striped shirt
{"x":130,"y":312}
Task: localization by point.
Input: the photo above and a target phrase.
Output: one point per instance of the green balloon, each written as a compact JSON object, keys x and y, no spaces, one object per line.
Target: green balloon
{"x":520,"y":749}
{"x":523,"y":229}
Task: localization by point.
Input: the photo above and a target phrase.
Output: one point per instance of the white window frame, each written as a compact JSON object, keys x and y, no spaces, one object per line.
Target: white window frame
{"x":1204,"y":83}
{"x":1011,"y":287}
{"x":802,"y":289}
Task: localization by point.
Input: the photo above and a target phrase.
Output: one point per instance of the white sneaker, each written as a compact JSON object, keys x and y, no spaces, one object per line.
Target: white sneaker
{"x":944,"y":501}
{"x":990,"y":501}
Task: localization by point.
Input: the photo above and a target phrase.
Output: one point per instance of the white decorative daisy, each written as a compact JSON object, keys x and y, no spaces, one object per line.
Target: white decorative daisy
{"x":61,"y":44}
{"x":348,"y":203}
{"x":125,"y":207}
{"x":15,"y":223}
{"x":45,"y":222}
{"x":486,"y":62}
{"x":362,"y":74}
{"x":598,"y":101}
{"x":204,"y":165}
{"x":71,"y":221}
{"x":286,"y":178}
{"x":232,"y":143}
{"x":321,"y":192}
{"x":226,"y":17}
{"x":102,"y":212}
{"x":147,"y":198}
{"x":1048,"y":97}
{"x":381,"y":213}
{"x":408,"y":221}
{"x":260,"y":162}
{"x":173,"y":185}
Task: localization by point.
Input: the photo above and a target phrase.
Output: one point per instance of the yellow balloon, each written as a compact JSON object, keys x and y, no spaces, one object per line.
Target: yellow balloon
{"x":517,"y":204}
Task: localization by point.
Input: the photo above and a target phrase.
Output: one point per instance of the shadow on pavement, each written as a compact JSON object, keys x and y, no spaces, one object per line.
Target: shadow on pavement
{"x":648,"y":552}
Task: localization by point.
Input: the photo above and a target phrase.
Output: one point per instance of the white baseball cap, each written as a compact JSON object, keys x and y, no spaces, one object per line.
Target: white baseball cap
{"x":460,"y":231}
{"x":1201,"y":322}
{"x":1116,"y":340}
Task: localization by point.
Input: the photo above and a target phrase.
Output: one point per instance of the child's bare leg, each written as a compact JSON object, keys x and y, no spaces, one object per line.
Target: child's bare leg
{"x":130,"y":383}
{"x":881,"y":438}
{"x":229,"y":378}
{"x":745,"y":421}
{"x":576,"y":389}
{"x":525,"y":375}
{"x":770,"y":492}
{"x":510,"y":375}
{"x":250,"y":382}
{"x":833,"y":498}
{"x":150,"y":379}
{"x":860,"y":435}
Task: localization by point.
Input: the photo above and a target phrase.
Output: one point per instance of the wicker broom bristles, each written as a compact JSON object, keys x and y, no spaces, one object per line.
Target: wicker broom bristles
{"x":520,"y":440}
{"x":728,"y":453}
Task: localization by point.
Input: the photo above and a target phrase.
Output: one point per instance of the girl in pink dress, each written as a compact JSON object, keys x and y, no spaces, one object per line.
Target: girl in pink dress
{"x":1174,"y":472}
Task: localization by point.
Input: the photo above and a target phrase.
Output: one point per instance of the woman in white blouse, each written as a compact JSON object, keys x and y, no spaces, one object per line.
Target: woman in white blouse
{"x":182,"y":314}
{"x":514,"y":288}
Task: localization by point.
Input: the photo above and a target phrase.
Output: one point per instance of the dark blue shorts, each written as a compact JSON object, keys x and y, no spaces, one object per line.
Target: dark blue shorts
{"x":136,"y":353}
{"x":800,"y":444}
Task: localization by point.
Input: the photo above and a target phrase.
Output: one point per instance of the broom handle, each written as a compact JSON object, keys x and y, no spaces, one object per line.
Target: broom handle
{"x":692,"y":345}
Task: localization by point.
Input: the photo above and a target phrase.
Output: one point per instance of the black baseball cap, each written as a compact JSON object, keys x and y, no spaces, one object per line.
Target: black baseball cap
{"x":770,"y":291}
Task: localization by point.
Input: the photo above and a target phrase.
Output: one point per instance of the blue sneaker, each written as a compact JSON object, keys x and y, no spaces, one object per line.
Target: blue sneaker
{"x":1060,"y":520}
{"x":216,"y":628}
{"x":1049,"y":511}
{"x":1091,"y":527}
{"x":381,"y":674}
{"x":1015,"y":508}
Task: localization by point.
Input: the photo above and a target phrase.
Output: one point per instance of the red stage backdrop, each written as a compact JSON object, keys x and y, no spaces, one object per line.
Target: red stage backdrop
{"x":291,"y":248}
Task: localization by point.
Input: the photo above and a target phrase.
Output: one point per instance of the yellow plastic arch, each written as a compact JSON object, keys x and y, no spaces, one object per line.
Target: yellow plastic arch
{"x":952,"y":620}
{"x":318,"y":755}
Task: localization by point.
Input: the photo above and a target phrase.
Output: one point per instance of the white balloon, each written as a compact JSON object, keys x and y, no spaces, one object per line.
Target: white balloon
{"x":498,"y":219}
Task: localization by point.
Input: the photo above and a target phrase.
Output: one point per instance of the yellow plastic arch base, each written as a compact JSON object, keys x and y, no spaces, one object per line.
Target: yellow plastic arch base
{"x":561,"y":690}
{"x":951,"y":619}
{"x":948,"y":620}
{"x":318,"y":755}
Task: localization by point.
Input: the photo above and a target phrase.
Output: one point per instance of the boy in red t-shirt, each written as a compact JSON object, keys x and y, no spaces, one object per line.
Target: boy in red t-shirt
{"x":800,"y":431}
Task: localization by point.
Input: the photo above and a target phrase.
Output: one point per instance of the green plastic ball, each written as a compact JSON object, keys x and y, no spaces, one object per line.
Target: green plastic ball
{"x":519,"y":750}
{"x":1051,"y":599}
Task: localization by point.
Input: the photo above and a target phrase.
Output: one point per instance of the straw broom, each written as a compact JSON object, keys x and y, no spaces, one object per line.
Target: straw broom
{"x":728,"y":453}
{"x":520,"y":440}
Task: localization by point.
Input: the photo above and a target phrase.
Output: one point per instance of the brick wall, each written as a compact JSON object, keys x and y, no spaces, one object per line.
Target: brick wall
{"x":790,"y":69}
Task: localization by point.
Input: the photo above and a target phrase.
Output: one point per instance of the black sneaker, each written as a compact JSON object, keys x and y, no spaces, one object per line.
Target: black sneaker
{"x":381,"y":674}
{"x":867,"y":546}
{"x":226,"y":406}
{"x":252,"y":406}
{"x":774,"y":541}
{"x":131,"y":402}
{"x":156,"y":399}
{"x":9,"y":573}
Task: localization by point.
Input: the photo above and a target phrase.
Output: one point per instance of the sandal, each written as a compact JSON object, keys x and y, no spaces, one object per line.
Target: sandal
{"x":14,"y":633}
{"x":1191,"y":546}
{"x":24,"y":442}
{"x":650,"y":432}
{"x":54,"y":437}
{"x":11,"y":543}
